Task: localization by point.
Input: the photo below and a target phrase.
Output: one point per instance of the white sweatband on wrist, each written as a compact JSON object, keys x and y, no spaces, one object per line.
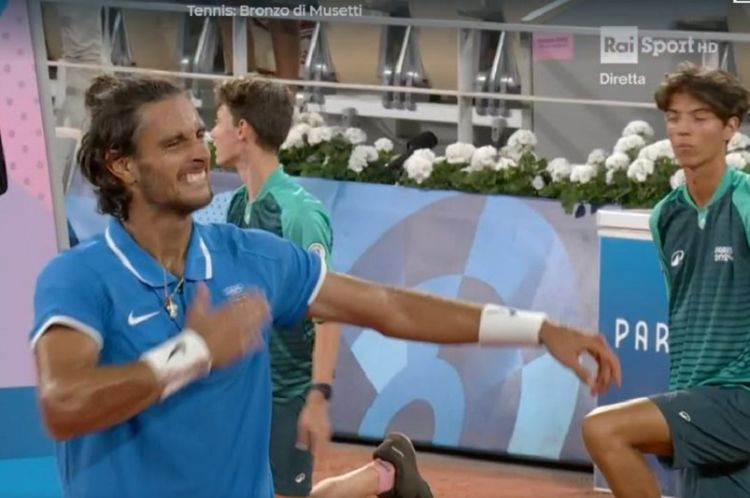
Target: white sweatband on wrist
{"x":179,"y":361}
{"x":501,"y":326}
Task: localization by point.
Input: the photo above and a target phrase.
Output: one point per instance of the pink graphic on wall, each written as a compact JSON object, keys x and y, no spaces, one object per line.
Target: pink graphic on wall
{"x":26,"y":218}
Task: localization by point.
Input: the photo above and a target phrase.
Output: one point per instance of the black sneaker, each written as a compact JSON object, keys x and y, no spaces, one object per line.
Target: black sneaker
{"x":398,"y":450}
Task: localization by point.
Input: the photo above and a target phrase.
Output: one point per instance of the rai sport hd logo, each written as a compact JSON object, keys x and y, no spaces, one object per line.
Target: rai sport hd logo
{"x":623,"y":45}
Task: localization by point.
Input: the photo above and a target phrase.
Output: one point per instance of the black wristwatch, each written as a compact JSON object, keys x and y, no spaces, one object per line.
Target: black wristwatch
{"x":325,"y":389}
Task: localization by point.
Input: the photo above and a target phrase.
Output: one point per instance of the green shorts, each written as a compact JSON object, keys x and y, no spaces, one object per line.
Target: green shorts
{"x":292,"y":468}
{"x":710,"y":429}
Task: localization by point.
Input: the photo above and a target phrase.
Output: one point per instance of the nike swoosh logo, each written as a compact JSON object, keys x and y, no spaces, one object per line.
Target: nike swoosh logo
{"x":135,"y":320}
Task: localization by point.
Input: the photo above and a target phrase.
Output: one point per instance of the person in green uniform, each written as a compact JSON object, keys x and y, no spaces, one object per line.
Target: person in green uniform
{"x":702,"y":233}
{"x":253,"y":120}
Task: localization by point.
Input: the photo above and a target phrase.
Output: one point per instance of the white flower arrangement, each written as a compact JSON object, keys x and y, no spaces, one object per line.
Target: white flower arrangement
{"x":313,"y":119}
{"x":637,"y":173}
{"x":319,"y":134}
{"x":617,"y":161}
{"x":609,"y":179}
{"x":483,"y":158}
{"x":657,"y":150}
{"x":384,"y":145}
{"x":522,"y":139}
{"x":355,"y":136}
{"x":640,"y":170}
{"x":582,"y":173}
{"x":559,"y":169}
{"x":419,"y":165}
{"x":677,"y":179}
{"x":597,"y":157}
{"x":504,"y":163}
{"x":630,"y":144}
{"x":664,"y":148}
{"x":738,"y":141}
{"x":293,"y":140}
{"x":514,"y":153}
{"x":538,"y":183}
{"x":459,"y":153}
{"x":640,"y":128}
{"x":736,"y":160}
{"x":361,"y":157}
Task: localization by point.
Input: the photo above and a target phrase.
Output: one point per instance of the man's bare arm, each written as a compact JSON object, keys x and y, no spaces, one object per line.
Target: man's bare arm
{"x":76,"y":395}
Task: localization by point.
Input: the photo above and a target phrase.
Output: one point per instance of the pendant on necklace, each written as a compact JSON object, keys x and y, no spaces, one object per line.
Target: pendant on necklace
{"x":171,"y":308}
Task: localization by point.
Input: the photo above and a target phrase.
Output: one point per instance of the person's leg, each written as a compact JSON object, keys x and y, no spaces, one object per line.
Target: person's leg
{"x":392,"y":474}
{"x":81,"y":34}
{"x":227,"y":45}
{"x":291,"y":467}
{"x":155,"y":38}
{"x":361,"y":482}
{"x":616,"y":437}
{"x":701,"y":430}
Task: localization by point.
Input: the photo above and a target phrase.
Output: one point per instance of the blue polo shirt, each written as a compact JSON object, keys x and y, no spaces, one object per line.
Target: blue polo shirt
{"x":210,"y":439}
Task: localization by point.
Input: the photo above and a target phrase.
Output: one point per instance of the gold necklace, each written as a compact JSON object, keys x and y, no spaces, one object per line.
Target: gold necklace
{"x":169,"y":304}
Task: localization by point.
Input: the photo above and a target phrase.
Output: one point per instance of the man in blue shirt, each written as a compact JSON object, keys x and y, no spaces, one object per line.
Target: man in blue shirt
{"x":150,"y":339}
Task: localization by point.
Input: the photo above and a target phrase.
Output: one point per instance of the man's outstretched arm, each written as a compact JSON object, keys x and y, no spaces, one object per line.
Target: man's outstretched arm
{"x":418,"y":316}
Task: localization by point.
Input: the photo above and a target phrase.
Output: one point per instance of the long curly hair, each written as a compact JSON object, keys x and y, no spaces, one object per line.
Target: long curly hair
{"x":114,"y":105}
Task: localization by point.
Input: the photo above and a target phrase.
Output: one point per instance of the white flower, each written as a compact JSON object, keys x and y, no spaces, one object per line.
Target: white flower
{"x":736,"y":160}
{"x":293,"y":139}
{"x":746,"y":156}
{"x":677,"y":179}
{"x":559,"y":168}
{"x":319,"y":134}
{"x":610,"y":179}
{"x":582,"y":173}
{"x":597,"y":157}
{"x":657,"y":150}
{"x":649,"y":152}
{"x":313,"y":119}
{"x":538,"y":183}
{"x":640,"y":170}
{"x":618,"y":160}
{"x":439,"y":159}
{"x":483,"y":157}
{"x":355,"y":136}
{"x":419,"y":165}
{"x":503,"y":163}
{"x":301,"y":128}
{"x":641,"y":128}
{"x":361,"y":157}
{"x":384,"y":144}
{"x":630,"y":144}
{"x":664,"y":148}
{"x":459,"y":152}
{"x":522,"y":139}
{"x":514,"y":153}
{"x":425,"y":153}
{"x":738,"y":141}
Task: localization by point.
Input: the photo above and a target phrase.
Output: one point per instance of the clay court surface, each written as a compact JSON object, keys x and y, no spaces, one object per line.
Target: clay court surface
{"x":454,"y":477}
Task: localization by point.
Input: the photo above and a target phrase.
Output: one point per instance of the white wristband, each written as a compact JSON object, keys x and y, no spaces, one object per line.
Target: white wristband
{"x":179,"y":361}
{"x":503,"y":326}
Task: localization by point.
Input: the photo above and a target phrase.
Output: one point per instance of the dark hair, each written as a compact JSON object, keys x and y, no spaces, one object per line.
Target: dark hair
{"x":265,"y":105}
{"x":114,"y":105}
{"x":718,"y":89}
{"x":97,"y":90}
